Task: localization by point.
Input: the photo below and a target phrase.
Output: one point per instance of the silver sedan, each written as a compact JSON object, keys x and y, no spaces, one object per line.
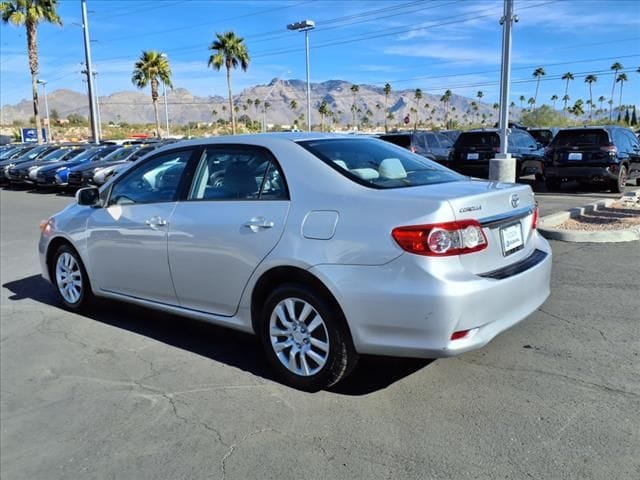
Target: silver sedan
{"x":326,"y":247}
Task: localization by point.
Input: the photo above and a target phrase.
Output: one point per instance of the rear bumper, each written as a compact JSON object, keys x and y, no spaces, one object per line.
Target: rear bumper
{"x":581,"y":173}
{"x":401,"y":309}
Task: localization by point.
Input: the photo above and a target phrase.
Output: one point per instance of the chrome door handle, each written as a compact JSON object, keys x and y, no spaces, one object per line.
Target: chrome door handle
{"x":156,"y":222}
{"x":257,"y":223}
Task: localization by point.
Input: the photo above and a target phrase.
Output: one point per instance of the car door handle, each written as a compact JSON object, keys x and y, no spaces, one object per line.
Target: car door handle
{"x":156,"y":222}
{"x":258,"y":223}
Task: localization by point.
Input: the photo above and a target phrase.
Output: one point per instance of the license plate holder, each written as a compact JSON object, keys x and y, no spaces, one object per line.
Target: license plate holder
{"x":574,"y":156}
{"x":511,"y":238}
{"x":473,"y":156}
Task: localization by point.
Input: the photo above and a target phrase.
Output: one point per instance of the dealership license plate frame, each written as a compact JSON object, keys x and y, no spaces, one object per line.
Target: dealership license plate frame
{"x":574,"y":156}
{"x":507,"y":247}
{"x":473,"y":156}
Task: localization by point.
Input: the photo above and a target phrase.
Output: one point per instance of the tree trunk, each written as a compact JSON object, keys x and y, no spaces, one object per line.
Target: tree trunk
{"x":620,"y":102}
{"x":233,"y":116}
{"x":155,"y":111}
{"x":386,"y":113}
{"x":590,"y":104}
{"x":535,"y":97}
{"x":32,"y":48}
{"x":613,"y":89}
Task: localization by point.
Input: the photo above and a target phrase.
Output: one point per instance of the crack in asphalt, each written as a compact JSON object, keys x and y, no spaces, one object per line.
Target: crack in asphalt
{"x":235,"y":445}
{"x":557,"y":317}
{"x":578,"y":381}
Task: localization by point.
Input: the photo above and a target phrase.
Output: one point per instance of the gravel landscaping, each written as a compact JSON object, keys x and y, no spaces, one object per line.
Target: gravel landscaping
{"x":616,"y":216}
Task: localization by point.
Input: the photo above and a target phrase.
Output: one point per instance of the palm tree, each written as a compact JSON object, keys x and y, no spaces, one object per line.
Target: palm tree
{"x":601,"y":100}
{"x":522,"y":100}
{"x":590,"y":79}
{"x":496,"y":107}
{"x":323,"y":110}
{"x":30,"y":13}
{"x":621,"y":78}
{"x":355,"y":89}
{"x":566,"y":77}
{"x":479,"y":95}
{"x":532,"y":103}
{"x":387,"y":91}
{"x":554,"y":99}
{"x":418,"y":97}
{"x":577,"y":109}
{"x":445,"y":99}
{"x":293,"y":105}
{"x":230,"y":51}
{"x":150,"y":69}
{"x":538,"y":73}
{"x":615,"y":67}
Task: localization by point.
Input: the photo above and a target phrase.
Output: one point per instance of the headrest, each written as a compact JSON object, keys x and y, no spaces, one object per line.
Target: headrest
{"x":392,"y":168}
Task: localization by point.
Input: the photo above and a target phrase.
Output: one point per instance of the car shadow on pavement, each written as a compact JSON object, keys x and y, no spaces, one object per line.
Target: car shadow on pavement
{"x":237,"y":349}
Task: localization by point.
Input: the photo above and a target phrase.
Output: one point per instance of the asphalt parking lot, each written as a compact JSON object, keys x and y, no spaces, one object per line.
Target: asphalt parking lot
{"x":126,"y":392}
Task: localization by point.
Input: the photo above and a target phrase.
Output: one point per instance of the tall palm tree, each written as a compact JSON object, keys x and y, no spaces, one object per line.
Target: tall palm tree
{"x":567,"y":77}
{"x":151,"y":69}
{"x":532,"y":103}
{"x":590,"y":79}
{"x":355,"y":89}
{"x":30,"y":13}
{"x":418,"y":97}
{"x":293,"y":105}
{"x":387,"y":91}
{"x":538,"y":73}
{"x":445,"y":99}
{"x":230,"y":51}
{"x":522,"y":100}
{"x":601,"y":100}
{"x":615,"y":67}
{"x":479,"y":95}
{"x":621,"y":79}
{"x":323,"y":110}
{"x":554,"y":99}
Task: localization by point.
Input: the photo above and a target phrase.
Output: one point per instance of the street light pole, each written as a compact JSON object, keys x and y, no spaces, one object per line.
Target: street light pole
{"x":166,"y":103}
{"x":502,"y":168}
{"x":305,"y":26}
{"x":46,"y":109}
{"x":87,"y":54}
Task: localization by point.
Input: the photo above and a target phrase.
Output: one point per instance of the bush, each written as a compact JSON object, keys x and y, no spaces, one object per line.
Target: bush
{"x":544,"y":116}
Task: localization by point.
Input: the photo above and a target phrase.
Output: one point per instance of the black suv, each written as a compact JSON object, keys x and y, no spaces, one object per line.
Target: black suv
{"x":473,"y":150}
{"x":606,"y":156}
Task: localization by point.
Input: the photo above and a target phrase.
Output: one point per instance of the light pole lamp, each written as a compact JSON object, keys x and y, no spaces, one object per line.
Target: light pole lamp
{"x":166,"y":103}
{"x":305,"y":26}
{"x":46,"y":109}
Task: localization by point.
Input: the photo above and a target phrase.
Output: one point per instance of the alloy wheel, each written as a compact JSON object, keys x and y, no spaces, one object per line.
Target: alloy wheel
{"x":299,"y":337}
{"x":69,"y":278}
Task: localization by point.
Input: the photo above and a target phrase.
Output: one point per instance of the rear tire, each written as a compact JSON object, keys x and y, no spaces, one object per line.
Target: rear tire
{"x":305,"y":338}
{"x":620,"y":184}
{"x":70,"y":279}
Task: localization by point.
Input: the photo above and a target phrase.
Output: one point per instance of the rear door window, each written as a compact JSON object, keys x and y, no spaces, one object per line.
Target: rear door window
{"x":475,"y":139}
{"x":403,"y":141}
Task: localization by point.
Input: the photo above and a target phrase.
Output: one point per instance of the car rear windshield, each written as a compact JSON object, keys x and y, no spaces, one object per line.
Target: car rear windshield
{"x":570,"y":138}
{"x":483,"y":139}
{"x":542,"y":136}
{"x":374,"y":163}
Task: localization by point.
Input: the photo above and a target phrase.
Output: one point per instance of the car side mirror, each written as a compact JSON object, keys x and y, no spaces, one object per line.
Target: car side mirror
{"x":538,"y":146}
{"x":88,"y":197}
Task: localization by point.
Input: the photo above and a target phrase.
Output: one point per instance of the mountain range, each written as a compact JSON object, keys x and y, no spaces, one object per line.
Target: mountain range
{"x":184,"y":107}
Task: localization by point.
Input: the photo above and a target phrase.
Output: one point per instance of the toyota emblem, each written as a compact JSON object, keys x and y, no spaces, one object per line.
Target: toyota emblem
{"x":515,"y":200}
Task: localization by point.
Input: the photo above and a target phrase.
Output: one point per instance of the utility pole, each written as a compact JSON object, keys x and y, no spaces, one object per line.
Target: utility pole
{"x":46,"y":109}
{"x":98,"y":117}
{"x":87,"y":53}
{"x":502,"y":168}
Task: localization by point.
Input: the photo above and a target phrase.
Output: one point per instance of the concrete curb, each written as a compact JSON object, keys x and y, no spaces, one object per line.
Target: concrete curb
{"x":547,"y":225}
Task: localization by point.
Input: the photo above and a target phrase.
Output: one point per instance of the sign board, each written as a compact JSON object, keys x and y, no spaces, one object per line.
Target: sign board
{"x":29,"y":135}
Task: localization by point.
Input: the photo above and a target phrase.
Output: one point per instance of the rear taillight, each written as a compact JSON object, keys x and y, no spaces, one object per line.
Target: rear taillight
{"x":611,"y":148}
{"x":534,"y":218}
{"x":441,"y":239}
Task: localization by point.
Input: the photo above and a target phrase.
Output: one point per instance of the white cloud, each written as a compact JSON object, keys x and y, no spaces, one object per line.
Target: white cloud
{"x":454,"y":54}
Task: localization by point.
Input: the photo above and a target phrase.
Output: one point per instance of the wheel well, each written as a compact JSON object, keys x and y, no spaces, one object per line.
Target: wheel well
{"x":279,"y":275}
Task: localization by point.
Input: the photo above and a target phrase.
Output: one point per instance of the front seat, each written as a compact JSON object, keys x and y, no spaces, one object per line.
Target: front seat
{"x":239,"y":180}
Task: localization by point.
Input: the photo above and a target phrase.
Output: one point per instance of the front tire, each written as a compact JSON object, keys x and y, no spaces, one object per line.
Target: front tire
{"x":70,"y":279}
{"x":305,"y":338}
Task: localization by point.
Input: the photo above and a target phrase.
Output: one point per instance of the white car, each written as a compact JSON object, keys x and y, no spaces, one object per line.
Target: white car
{"x":324,"y":246}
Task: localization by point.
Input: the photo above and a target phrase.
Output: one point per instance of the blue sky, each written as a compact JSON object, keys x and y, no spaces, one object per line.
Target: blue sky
{"x":432,"y":45}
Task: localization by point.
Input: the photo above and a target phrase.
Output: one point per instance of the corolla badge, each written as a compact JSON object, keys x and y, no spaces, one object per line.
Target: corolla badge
{"x":515,"y":200}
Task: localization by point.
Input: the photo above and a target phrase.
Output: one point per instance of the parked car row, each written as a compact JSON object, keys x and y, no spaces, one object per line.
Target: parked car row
{"x":606,"y":157}
{"x":68,"y":166}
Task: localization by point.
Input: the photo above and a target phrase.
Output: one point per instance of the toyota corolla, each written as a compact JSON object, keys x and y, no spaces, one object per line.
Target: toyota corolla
{"x":326,"y":247}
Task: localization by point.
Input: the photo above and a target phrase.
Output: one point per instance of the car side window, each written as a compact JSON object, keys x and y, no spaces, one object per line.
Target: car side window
{"x":237,"y":173}
{"x":155,"y":181}
{"x":633,"y":141}
{"x":621,"y":141}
